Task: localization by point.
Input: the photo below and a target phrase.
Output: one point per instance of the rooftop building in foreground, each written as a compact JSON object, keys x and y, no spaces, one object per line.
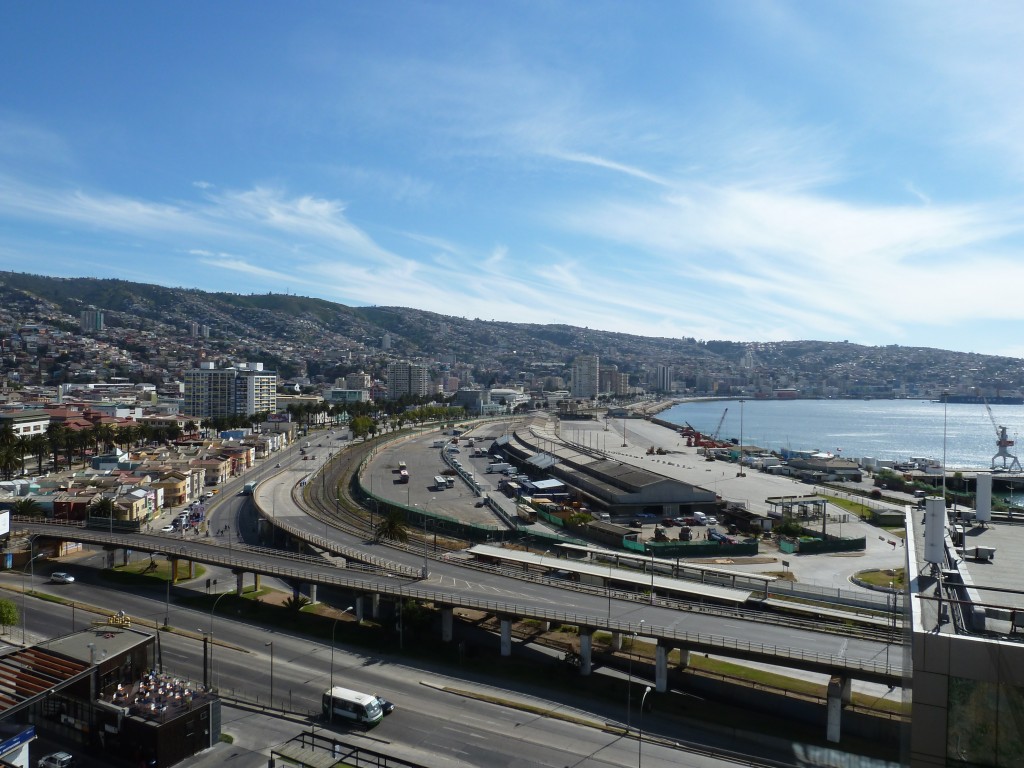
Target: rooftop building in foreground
{"x":100,"y":690}
{"x":966,"y":603}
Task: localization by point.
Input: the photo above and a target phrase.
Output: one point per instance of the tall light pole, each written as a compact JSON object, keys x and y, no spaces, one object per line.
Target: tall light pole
{"x":212,"y":611}
{"x":271,"y":644}
{"x":651,"y":553}
{"x":741,"y":437}
{"x":640,"y":729}
{"x":334,"y":626}
{"x":24,"y":591}
{"x":426,"y":565}
{"x":629,"y":684}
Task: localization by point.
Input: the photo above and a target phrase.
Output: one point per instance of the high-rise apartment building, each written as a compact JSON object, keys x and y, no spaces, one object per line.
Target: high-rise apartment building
{"x":212,"y":392}
{"x":664,"y":378}
{"x":90,"y":320}
{"x":407,"y":379}
{"x":586,"y":375}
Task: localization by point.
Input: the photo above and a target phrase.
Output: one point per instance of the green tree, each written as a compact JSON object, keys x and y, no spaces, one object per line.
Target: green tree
{"x":360,"y":426}
{"x":104,"y":507}
{"x":27,"y":508}
{"x":9,"y":615}
{"x":393,"y":527}
{"x":39,"y":447}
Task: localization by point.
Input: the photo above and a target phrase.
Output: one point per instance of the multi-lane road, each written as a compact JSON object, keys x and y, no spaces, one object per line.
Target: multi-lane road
{"x":462,"y":734}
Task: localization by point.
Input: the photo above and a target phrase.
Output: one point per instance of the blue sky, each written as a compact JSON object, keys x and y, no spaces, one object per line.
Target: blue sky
{"x":724,"y":170}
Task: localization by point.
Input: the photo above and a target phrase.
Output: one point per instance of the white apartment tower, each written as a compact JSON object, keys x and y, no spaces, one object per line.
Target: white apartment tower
{"x":407,"y":379}
{"x":586,"y":376}
{"x":240,"y":391}
{"x":664,"y":379}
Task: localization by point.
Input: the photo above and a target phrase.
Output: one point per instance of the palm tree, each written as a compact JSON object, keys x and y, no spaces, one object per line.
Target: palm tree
{"x":393,"y":527}
{"x":57,"y":437}
{"x":39,"y":447}
{"x":105,"y":434}
{"x":104,"y":507}
{"x":10,"y":460}
{"x":27,"y":508}
{"x":127,"y":435}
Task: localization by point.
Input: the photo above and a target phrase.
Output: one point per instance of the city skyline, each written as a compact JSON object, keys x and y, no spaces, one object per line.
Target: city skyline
{"x":749,"y":172}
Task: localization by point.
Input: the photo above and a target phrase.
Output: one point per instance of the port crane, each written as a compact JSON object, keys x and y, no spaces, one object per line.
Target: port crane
{"x":1002,"y":444}
{"x":718,"y":429}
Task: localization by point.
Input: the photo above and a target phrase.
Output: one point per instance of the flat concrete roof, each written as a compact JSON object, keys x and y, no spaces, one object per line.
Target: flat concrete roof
{"x":994,"y":583}
{"x":663,"y":583}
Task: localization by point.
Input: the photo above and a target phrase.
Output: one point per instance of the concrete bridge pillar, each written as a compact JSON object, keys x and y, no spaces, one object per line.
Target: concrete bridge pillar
{"x":256,"y":581}
{"x":506,"y":636}
{"x":124,"y":556}
{"x":616,"y":641}
{"x":684,"y":657}
{"x":312,"y":593}
{"x":447,"y":622}
{"x":586,"y":650}
{"x":375,"y":607}
{"x":191,"y":569}
{"x":661,"y":668}
{"x":359,"y":608}
{"x":839,"y":693}
{"x":239,"y":582}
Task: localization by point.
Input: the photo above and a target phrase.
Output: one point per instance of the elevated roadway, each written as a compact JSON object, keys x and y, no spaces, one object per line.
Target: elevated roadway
{"x":448,"y":587}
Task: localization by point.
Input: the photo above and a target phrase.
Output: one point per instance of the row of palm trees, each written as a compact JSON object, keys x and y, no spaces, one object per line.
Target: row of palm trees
{"x":61,"y":446}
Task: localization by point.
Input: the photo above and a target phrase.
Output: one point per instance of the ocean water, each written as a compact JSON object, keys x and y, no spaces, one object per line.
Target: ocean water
{"x":855,"y":429}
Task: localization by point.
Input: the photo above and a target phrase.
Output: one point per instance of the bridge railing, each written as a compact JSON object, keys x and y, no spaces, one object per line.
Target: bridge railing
{"x":320,"y":573}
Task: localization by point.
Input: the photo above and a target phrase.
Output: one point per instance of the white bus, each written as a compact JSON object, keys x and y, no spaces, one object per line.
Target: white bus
{"x":344,"y":704}
{"x":440,"y":483}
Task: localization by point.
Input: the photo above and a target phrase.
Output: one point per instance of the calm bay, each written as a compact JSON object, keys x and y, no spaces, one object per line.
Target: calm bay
{"x":881,"y":429}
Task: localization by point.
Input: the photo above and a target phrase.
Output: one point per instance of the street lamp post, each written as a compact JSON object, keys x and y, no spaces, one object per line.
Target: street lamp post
{"x":741,"y":438}
{"x":426,"y":565}
{"x":212,"y":611}
{"x":24,"y":591}
{"x":271,"y":644}
{"x":640,"y":729}
{"x":334,"y":626}
{"x":651,"y":552}
{"x":629,"y":683}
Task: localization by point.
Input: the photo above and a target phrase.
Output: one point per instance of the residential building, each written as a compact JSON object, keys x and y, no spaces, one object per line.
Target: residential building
{"x":664,"y":378}
{"x":359,"y":380}
{"x":90,"y":320}
{"x":407,"y":379}
{"x":586,"y":372}
{"x":212,"y":392}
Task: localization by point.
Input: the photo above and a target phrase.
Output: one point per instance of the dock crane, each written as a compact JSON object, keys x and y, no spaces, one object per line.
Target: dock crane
{"x":718,"y":429}
{"x":1002,"y":444}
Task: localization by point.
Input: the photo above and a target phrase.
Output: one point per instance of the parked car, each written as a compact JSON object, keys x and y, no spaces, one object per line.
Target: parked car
{"x":169,"y":528}
{"x":712,"y":520}
{"x":62,"y":578}
{"x":56,"y":760}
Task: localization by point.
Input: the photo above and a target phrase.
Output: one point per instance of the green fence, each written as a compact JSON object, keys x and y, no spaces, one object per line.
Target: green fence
{"x":808,"y":545}
{"x":702,"y":548}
